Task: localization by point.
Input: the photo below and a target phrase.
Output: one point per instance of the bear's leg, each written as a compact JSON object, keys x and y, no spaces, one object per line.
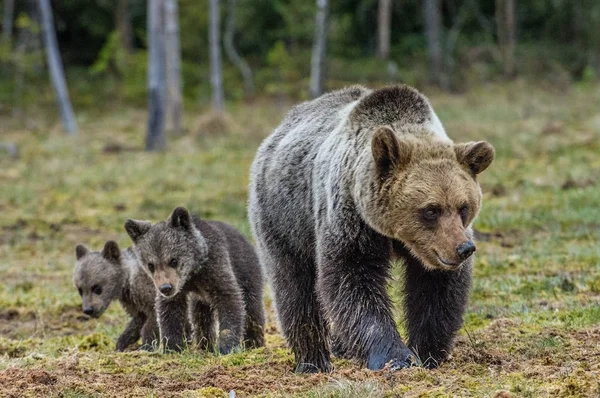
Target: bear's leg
{"x":299,"y":312}
{"x":172,"y":320}
{"x":434,"y":302}
{"x":204,"y":325}
{"x":353,"y":276}
{"x":131,"y":334}
{"x":150,"y":333}
{"x":254,"y":333}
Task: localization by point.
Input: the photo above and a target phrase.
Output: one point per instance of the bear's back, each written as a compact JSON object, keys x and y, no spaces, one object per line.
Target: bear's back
{"x":282,"y":170}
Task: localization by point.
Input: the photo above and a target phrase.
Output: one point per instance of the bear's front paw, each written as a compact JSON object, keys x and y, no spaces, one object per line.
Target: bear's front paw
{"x":397,"y":364}
{"x":404,"y":359}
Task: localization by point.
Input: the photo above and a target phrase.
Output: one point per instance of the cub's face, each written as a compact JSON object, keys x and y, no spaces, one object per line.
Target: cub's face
{"x":168,"y":251}
{"x":428,"y":196}
{"x":98,"y":277}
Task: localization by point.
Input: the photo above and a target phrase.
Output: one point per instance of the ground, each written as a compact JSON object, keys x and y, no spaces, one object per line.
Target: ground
{"x":533,"y":323}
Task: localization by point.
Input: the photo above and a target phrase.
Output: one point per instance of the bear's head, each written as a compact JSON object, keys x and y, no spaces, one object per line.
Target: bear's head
{"x":99,"y":277}
{"x":169,"y":251}
{"x":425,"y":194}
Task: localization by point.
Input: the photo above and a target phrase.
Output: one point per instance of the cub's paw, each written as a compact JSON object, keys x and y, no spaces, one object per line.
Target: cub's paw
{"x":146,"y":347}
{"x":307,"y":367}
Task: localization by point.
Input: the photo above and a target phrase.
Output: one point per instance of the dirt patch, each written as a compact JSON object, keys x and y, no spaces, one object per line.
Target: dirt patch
{"x":13,"y":382}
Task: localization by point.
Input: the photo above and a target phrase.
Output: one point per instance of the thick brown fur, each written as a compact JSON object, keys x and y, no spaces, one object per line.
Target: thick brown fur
{"x":347,"y":182}
{"x":101,"y":277}
{"x":205,"y":271}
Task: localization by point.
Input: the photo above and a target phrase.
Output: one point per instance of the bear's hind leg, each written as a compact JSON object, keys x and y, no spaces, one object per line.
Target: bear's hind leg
{"x":204,"y":326}
{"x":254,"y":329}
{"x":300,"y":316}
{"x":150,"y":333}
{"x":434,"y":306}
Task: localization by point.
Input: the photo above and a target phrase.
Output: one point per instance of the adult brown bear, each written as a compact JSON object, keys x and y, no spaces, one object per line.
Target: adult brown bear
{"x":347,"y":182}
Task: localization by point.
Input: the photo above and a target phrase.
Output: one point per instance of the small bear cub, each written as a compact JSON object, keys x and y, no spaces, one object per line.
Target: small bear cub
{"x":101,"y":277}
{"x":206,"y":272}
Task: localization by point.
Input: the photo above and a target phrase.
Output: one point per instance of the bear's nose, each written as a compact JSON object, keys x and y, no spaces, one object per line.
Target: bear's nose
{"x":88,"y":310}
{"x":166,"y":288}
{"x":464,"y":250}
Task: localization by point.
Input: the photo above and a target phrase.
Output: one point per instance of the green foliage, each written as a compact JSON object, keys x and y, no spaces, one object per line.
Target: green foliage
{"x":112,"y":56}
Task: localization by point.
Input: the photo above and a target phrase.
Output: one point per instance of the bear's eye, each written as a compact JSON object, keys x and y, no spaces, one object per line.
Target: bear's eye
{"x":151,"y":267}
{"x":430,"y":214}
{"x":80,"y":291}
{"x":464,"y":212}
{"x":96,"y":289}
{"x":173,"y":263}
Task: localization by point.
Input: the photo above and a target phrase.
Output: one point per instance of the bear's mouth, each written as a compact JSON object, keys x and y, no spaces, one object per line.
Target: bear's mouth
{"x":445,"y":261}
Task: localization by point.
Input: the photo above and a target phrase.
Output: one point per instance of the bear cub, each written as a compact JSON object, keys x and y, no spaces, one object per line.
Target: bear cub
{"x":101,"y":277}
{"x":204,"y":271}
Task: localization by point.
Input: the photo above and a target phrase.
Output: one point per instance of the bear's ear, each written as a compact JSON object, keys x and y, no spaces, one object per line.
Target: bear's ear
{"x":389,"y":152}
{"x":477,"y":156}
{"x":180,"y":218}
{"x":80,"y":251}
{"x":111,"y":252}
{"x":136,"y":229}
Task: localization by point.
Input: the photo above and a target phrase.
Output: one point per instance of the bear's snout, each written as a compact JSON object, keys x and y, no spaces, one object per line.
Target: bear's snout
{"x":465,"y":250}
{"x":166,"y":289}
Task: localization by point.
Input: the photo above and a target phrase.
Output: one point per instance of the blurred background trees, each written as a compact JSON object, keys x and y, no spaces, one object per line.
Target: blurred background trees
{"x":453,"y":44}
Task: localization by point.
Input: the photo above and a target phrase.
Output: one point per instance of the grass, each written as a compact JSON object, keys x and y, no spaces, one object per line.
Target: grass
{"x":533,"y":323}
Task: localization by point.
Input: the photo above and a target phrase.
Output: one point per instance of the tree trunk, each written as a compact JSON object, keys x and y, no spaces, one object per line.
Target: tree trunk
{"x":124,"y":26}
{"x":319,"y":50}
{"x":173,"y":52}
{"x":216,"y":68}
{"x":7,"y":21}
{"x":232,"y":53}
{"x":155,"y":139}
{"x":505,"y":25}
{"x":384,"y":25}
{"x":56,"y":68}
{"x":433,"y":30}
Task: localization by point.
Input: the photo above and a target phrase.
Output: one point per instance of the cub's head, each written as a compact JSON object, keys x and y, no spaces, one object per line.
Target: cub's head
{"x":426,"y":194}
{"x":98,"y":277}
{"x":169,"y":251}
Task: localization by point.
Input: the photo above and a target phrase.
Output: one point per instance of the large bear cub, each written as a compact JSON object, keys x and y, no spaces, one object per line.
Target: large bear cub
{"x":204,"y":271}
{"x":346,"y":183}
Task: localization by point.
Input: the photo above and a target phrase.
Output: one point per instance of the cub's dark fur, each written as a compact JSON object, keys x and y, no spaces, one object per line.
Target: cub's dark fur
{"x":102,"y":277}
{"x":347,"y":182}
{"x":204,"y":270}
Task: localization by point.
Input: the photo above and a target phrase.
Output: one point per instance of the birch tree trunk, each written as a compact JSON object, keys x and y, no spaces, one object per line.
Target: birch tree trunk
{"x":433,"y":30}
{"x":384,"y":26}
{"x":7,"y":21}
{"x":155,"y":139}
{"x":232,"y":53}
{"x":505,"y":22}
{"x":216,"y":68}
{"x":319,"y":50}
{"x":55,"y":65}
{"x":173,"y":53}
{"x":124,"y":26}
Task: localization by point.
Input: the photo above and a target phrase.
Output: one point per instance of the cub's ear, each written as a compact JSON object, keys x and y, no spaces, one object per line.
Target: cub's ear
{"x":111,"y":252}
{"x":80,"y":251}
{"x":136,"y":229}
{"x":389,"y":152}
{"x":477,"y":156}
{"x":180,"y":218}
